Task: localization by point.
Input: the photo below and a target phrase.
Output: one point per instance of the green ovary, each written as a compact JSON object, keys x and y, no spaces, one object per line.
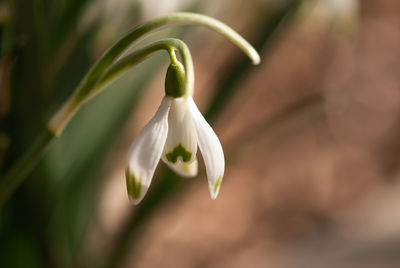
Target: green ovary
{"x":179,"y":151}
{"x":134,"y":186}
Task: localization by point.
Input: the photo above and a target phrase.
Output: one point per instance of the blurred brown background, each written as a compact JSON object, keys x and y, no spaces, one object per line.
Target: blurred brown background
{"x":312,"y":146}
{"x":311,"y":139}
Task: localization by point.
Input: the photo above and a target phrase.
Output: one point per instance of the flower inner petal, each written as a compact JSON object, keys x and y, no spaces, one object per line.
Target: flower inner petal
{"x":181,"y":143}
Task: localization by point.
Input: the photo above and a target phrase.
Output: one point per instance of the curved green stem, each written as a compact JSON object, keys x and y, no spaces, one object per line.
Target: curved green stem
{"x":168,"y":44}
{"x":105,"y":70}
{"x":62,"y":117}
{"x":16,"y":175}
{"x":87,"y":88}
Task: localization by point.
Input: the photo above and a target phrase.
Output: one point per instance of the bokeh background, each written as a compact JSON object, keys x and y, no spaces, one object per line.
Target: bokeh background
{"x":311,"y":137}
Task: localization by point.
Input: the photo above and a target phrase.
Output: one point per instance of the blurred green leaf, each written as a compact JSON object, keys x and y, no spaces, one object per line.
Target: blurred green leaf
{"x":53,"y":207}
{"x":74,"y":160}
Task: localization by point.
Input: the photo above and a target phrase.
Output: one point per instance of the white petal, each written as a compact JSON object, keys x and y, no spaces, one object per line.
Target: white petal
{"x":211,"y":150}
{"x":145,"y":152}
{"x":184,"y":170}
{"x":181,"y":143}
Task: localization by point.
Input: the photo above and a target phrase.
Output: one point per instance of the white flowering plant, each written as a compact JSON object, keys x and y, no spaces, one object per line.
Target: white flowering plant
{"x":175,"y":131}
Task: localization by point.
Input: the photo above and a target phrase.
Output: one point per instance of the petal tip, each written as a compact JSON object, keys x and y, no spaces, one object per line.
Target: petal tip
{"x":134,"y":187}
{"x":134,"y":202}
{"x":214,"y":196}
{"x":189,"y":170}
{"x":214,"y":188}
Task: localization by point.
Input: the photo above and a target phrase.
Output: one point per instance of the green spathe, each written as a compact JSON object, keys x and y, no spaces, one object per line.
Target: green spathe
{"x":134,"y":186}
{"x":175,"y":80}
{"x":179,"y":150}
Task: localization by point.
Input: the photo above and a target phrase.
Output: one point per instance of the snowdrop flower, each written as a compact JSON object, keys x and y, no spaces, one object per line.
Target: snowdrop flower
{"x":173,"y":135}
{"x":176,"y":129}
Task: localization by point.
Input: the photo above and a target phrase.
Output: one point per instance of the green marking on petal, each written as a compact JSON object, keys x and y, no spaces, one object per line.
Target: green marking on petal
{"x":179,"y":151}
{"x":217,"y":184}
{"x":134,"y":186}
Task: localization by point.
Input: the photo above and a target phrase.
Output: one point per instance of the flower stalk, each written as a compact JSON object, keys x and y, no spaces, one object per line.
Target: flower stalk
{"x":62,"y":117}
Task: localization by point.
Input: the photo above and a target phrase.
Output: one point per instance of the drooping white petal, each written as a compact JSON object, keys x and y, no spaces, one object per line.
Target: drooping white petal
{"x":211,"y":150}
{"x":184,"y":170}
{"x":181,"y":143}
{"x":145,"y":152}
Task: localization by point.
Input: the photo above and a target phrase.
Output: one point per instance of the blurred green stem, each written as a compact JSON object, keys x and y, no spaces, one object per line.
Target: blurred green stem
{"x":15,"y":176}
{"x":106,"y":70}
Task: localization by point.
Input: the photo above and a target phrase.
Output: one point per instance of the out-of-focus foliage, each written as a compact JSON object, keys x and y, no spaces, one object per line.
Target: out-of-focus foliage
{"x":46,"y":50}
{"x":305,"y":136}
{"x":47,"y":46}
